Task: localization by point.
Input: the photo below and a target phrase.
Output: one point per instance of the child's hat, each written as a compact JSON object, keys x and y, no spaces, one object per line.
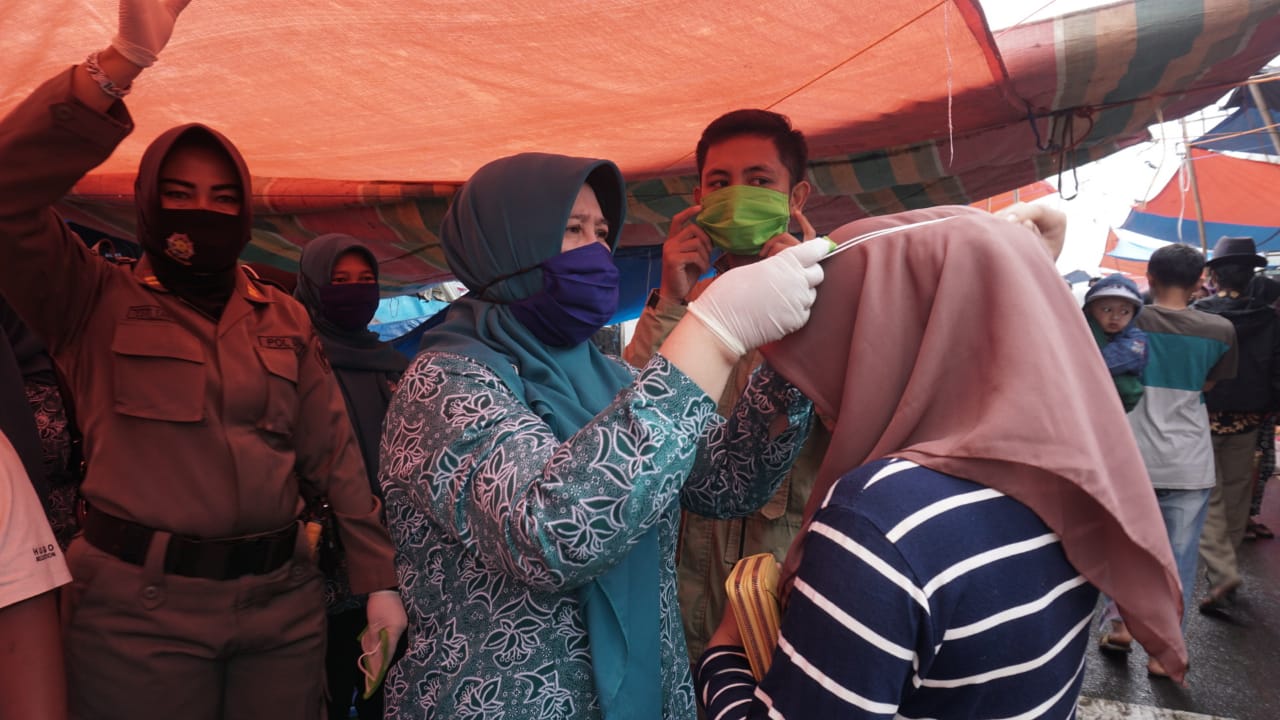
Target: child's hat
{"x":1115,"y":286}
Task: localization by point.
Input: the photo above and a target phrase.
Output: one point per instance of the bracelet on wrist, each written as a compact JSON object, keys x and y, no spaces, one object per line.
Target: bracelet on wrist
{"x":108,"y":87}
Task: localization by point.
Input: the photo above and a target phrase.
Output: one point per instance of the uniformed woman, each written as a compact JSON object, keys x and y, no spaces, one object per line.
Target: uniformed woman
{"x":206,"y":404}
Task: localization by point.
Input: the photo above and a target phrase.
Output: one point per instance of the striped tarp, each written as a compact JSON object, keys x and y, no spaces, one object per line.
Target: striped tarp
{"x":1237,"y":197}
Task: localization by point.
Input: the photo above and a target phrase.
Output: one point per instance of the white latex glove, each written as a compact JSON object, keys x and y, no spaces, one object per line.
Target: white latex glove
{"x":145,"y":28}
{"x":385,"y":610}
{"x":758,"y":303}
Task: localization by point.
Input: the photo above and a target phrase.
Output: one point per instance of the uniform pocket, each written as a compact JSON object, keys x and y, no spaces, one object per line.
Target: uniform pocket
{"x":159,"y":373}
{"x":281,"y":407}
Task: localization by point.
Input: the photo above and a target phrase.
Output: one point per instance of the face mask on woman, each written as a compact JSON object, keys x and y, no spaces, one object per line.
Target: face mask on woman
{"x":199,"y":241}
{"x":350,"y":306}
{"x":579,"y":295}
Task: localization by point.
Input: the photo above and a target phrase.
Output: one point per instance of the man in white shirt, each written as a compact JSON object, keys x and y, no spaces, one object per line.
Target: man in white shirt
{"x":32,"y":679}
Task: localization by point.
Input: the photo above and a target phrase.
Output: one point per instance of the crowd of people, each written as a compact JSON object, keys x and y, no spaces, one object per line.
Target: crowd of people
{"x":252,"y":507}
{"x":1205,"y":407}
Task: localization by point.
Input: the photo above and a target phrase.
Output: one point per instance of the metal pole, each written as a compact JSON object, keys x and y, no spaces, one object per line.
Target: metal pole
{"x":1263,"y":111}
{"x":1195,"y":187}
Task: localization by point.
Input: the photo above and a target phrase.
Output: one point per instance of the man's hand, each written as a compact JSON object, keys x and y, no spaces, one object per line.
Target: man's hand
{"x":778,"y":243}
{"x":1049,"y":224}
{"x":686,"y":255}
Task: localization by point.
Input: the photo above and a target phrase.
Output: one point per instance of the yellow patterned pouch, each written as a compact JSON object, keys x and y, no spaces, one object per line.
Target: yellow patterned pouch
{"x":753,"y":593}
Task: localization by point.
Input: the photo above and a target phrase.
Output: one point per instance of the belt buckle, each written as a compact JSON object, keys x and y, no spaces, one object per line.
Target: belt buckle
{"x":250,"y":557}
{"x":225,"y":559}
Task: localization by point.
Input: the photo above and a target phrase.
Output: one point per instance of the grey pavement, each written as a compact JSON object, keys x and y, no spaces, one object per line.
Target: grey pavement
{"x":1235,"y":662}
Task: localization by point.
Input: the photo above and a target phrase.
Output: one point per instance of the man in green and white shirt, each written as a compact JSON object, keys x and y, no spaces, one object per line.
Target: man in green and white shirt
{"x":1188,"y":351}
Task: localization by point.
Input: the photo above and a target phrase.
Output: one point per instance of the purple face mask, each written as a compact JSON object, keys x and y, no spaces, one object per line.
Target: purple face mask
{"x":350,"y":306}
{"x":579,"y":295}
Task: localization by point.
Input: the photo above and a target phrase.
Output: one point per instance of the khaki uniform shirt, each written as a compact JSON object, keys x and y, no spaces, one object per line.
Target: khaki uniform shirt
{"x":197,"y":427}
{"x":709,"y":548}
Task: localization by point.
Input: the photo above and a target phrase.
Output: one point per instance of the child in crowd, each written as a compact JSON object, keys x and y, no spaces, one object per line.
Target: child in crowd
{"x":1111,"y":307}
{"x":1190,"y":350}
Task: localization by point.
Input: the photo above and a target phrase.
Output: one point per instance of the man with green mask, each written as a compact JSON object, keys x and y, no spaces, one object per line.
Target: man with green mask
{"x":751,"y":169}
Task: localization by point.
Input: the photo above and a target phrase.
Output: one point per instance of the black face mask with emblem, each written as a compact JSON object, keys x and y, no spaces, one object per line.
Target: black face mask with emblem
{"x":194,"y":254}
{"x":201,"y":241}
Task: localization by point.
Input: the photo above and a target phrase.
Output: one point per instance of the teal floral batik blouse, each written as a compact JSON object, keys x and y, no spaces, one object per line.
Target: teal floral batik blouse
{"x":497,"y":523}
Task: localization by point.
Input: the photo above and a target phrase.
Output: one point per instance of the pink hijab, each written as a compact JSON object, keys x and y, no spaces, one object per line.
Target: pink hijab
{"x":957,"y":345}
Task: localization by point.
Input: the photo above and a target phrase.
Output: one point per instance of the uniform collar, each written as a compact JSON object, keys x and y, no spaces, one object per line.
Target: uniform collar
{"x":247,"y":288}
{"x":250,"y":289}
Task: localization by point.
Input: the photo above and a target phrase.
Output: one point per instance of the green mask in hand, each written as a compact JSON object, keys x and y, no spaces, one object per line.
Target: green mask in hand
{"x":741,"y":218}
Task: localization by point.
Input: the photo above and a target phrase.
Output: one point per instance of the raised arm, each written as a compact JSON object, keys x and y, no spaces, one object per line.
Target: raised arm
{"x":64,"y":129}
{"x":144,"y":29}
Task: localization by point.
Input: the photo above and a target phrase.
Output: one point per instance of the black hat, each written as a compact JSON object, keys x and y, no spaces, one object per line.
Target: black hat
{"x":1238,"y":250}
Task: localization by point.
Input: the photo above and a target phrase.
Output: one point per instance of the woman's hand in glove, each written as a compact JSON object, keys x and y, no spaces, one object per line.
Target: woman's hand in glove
{"x":745,"y":308}
{"x":384,"y":610}
{"x":764,"y":301}
{"x":145,"y":28}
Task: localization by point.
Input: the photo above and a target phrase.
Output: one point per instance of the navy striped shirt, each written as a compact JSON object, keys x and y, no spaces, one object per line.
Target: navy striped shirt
{"x":921,"y":595}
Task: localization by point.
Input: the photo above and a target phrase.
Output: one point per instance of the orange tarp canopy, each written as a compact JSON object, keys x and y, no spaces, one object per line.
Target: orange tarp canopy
{"x":363,"y":116}
{"x":387,"y":90}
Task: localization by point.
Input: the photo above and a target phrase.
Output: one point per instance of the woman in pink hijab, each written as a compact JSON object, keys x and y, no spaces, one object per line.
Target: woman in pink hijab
{"x":974,"y":500}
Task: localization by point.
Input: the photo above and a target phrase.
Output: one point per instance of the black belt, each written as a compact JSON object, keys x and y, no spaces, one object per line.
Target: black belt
{"x":210,"y":559}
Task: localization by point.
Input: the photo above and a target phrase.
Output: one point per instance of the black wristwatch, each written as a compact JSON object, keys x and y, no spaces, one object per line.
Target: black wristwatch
{"x":655,"y":296}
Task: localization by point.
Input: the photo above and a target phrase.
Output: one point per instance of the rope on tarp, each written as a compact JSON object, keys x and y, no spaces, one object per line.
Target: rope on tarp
{"x":1063,"y":140}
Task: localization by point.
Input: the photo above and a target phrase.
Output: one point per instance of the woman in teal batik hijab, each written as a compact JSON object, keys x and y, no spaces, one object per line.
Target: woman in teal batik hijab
{"x":533,"y":484}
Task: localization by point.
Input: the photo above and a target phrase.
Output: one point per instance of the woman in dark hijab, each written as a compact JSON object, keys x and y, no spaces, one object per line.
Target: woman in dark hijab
{"x":534,"y":485}
{"x":338,"y":284}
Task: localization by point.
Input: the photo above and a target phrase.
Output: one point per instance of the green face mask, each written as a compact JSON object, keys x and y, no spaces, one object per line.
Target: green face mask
{"x":741,"y":218}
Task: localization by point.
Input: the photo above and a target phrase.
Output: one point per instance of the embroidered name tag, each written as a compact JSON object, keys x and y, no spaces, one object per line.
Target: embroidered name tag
{"x":147,"y":312}
{"x":280,"y":342}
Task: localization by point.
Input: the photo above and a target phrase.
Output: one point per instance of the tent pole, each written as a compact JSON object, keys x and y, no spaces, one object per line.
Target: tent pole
{"x":1195,"y":187}
{"x":1261,"y":103}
